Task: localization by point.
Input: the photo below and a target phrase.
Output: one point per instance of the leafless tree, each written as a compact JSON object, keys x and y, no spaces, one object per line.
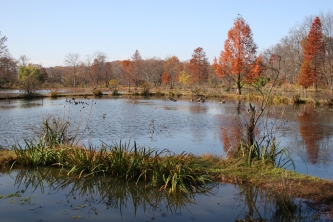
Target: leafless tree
{"x":72,"y":61}
{"x":3,"y":46}
{"x":153,"y":70}
{"x":137,"y":68}
{"x":97,"y":68}
{"x":23,"y":60}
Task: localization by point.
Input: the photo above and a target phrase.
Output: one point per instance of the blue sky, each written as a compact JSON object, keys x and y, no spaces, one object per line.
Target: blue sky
{"x":47,"y":30}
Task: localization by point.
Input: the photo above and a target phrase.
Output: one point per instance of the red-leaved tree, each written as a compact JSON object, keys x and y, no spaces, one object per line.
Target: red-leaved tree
{"x":199,"y":66}
{"x":238,"y":61}
{"x":313,"y":56}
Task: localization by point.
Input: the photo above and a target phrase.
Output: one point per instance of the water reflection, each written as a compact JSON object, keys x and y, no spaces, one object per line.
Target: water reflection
{"x":208,"y":127}
{"x":113,"y":193}
{"x":314,"y":130}
{"x":53,"y":194}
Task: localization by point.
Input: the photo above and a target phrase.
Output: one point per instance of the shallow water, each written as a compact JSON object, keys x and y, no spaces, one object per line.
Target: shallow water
{"x":46,"y":194}
{"x":208,"y":127}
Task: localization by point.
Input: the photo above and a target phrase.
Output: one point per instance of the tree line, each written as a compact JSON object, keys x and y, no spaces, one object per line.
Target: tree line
{"x":303,"y":58}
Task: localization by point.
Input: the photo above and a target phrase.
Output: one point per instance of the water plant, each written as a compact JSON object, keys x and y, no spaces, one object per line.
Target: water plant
{"x":266,"y":152}
{"x":163,"y":168}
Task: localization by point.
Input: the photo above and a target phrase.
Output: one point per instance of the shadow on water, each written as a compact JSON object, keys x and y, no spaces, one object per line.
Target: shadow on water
{"x":48,"y":194}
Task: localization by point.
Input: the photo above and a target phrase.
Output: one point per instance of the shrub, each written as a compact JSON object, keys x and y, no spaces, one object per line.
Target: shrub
{"x":97,"y":92}
{"x":54,"y":94}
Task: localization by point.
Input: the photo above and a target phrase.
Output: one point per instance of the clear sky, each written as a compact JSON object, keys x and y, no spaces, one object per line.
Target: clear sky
{"x":47,"y":30}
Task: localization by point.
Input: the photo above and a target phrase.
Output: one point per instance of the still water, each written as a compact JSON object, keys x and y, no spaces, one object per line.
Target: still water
{"x":210,"y":127}
{"x":44,"y":194}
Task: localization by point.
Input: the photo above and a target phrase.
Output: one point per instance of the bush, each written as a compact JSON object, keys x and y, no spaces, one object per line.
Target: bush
{"x":54,"y":94}
{"x":97,"y":92}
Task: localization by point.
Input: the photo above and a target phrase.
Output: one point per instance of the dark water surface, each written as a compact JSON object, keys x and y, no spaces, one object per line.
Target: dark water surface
{"x":208,"y":127}
{"x":46,"y":194}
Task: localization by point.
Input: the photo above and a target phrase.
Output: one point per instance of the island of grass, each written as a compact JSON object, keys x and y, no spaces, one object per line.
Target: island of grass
{"x":170,"y":171}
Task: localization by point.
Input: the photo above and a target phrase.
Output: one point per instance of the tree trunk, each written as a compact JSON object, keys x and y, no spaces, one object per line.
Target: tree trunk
{"x":251,"y":125}
{"x":239,"y":85}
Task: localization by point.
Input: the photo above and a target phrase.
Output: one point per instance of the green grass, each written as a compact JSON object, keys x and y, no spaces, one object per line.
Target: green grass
{"x":164,"y":168}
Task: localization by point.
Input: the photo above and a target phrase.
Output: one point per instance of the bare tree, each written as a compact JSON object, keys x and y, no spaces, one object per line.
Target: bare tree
{"x":72,"y":60}
{"x":153,"y":70}
{"x":3,"y":46}
{"x":137,"y":65}
{"x":97,"y":68}
{"x":23,"y":60}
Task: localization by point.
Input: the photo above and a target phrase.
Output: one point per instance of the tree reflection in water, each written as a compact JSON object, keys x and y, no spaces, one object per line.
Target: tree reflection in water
{"x":247,"y":202}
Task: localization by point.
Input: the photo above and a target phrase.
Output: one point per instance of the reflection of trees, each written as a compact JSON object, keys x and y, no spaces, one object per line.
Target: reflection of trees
{"x":311,"y":130}
{"x":198,"y":109}
{"x":114,"y":193}
{"x":198,"y":123}
{"x":262,"y":205}
{"x":231,"y":134}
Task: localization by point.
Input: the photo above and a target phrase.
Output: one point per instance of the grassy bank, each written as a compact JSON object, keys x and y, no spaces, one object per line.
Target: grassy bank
{"x":170,"y":171}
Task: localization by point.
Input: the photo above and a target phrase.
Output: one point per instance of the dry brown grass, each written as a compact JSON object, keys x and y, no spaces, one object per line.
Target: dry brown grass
{"x":7,"y":158}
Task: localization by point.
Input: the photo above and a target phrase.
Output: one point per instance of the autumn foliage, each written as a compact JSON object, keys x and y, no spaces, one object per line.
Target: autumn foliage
{"x":166,"y":78}
{"x":313,"y":53}
{"x":199,"y":66}
{"x":238,"y":61}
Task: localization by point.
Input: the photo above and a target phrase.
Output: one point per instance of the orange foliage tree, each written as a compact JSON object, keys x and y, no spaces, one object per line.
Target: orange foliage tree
{"x":126,"y":72}
{"x":313,"y":54}
{"x":199,"y":66}
{"x":165,"y":78}
{"x":172,"y":67}
{"x":238,"y":61}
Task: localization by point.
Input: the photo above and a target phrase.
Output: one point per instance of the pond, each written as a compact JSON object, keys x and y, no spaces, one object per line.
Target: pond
{"x":210,"y":127}
{"x":47,"y":194}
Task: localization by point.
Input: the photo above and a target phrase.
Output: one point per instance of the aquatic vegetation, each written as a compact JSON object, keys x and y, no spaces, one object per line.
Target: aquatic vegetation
{"x":163,"y":168}
{"x":267,"y":153}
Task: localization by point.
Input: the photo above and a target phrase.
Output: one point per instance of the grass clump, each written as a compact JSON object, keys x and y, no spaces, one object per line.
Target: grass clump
{"x":163,"y":168}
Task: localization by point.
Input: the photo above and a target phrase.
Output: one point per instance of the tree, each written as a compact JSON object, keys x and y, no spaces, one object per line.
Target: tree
{"x":8,"y":70}
{"x":313,"y":51}
{"x":3,"y":46}
{"x":239,"y":55}
{"x":97,"y":68}
{"x":23,"y":60}
{"x":108,"y":73}
{"x":31,"y":77}
{"x":199,"y":66}
{"x":72,"y":60}
{"x":184,"y":78}
{"x":166,"y":78}
{"x":153,"y":70}
{"x":7,"y":64}
{"x":126,"y":72}
{"x":137,"y":67}
{"x":171,"y":66}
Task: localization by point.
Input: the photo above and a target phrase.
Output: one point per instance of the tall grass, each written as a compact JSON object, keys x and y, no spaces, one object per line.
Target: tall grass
{"x":163,"y":168}
{"x":267,"y":153}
